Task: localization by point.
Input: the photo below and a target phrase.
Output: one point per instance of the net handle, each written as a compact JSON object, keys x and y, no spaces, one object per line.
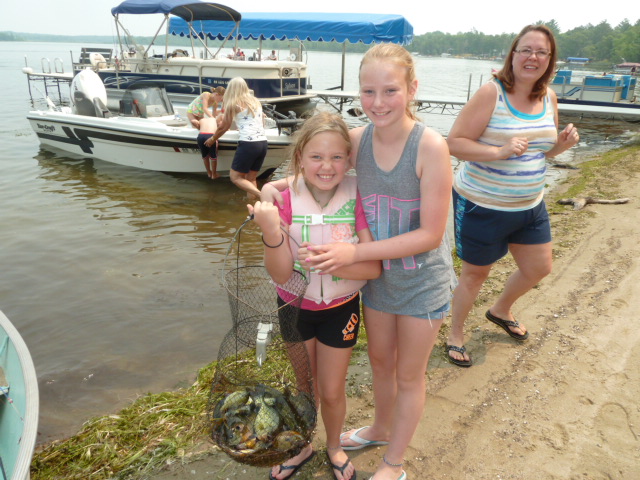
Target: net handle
{"x":236,"y":240}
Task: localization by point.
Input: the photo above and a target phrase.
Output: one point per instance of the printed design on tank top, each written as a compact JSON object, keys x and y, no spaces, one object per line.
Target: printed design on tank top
{"x":391,"y":209}
{"x":348,"y":331}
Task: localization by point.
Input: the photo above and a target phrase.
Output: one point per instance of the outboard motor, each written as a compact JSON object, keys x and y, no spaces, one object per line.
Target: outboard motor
{"x":87,"y":91}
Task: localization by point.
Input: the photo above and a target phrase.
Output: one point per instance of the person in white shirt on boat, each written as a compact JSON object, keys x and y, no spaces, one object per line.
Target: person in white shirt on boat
{"x":245,"y":110}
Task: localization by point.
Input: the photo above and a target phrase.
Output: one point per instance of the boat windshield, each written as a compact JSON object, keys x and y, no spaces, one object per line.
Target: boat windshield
{"x":146,"y":102}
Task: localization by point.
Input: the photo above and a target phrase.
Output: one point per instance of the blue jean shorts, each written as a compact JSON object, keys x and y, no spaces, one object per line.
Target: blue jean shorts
{"x":437,"y":314}
{"x":249,"y":156}
{"x":483,"y":235}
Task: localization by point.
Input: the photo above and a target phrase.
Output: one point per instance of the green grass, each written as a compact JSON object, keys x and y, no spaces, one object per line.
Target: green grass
{"x":136,"y":441}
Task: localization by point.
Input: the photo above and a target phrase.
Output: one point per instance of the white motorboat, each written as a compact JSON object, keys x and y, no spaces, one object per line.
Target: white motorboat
{"x":19,"y":404}
{"x":146,"y":132}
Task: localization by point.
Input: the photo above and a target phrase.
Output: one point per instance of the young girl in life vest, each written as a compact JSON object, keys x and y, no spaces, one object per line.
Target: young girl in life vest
{"x":320,"y":205}
{"x":404,"y":178}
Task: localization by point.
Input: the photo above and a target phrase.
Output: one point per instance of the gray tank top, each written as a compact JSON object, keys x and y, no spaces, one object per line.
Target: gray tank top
{"x":414,"y":285}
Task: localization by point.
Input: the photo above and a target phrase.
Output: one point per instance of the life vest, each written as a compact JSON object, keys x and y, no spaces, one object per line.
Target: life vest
{"x":333,"y":223}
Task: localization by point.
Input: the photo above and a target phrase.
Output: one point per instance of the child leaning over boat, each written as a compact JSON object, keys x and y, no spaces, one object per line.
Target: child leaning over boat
{"x":208,"y":127}
{"x":205,"y":105}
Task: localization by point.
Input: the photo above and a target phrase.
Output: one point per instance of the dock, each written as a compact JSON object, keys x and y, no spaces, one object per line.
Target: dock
{"x":341,"y":99}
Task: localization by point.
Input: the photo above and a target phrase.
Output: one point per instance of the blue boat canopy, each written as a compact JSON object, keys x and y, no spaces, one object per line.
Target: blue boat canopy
{"x":188,"y":10}
{"x":317,"y":27}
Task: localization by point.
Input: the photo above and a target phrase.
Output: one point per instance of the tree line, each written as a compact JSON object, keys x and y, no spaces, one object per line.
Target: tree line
{"x":599,"y":43}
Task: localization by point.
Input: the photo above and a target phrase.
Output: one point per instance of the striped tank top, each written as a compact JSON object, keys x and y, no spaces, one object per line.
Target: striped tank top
{"x":515,"y":183}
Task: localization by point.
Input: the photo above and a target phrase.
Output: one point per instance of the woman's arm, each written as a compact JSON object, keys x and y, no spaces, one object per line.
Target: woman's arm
{"x":567,"y":138}
{"x":472,"y":122}
{"x":365,"y":270}
{"x":223,"y":126}
{"x":207,"y":99}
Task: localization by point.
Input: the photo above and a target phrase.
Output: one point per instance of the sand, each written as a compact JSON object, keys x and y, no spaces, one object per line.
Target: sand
{"x":562,"y":405}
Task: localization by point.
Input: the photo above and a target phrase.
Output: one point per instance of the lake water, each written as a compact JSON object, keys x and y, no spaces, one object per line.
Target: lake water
{"x":112,"y":274}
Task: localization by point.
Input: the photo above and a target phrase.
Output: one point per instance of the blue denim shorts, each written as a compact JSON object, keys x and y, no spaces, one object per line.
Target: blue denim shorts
{"x":437,"y":314}
{"x":483,"y":235}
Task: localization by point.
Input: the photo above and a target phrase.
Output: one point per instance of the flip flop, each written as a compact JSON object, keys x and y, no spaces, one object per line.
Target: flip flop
{"x":505,"y":324}
{"x":362,"y":442}
{"x":403,"y":476}
{"x":293,"y":468}
{"x":342,"y":468}
{"x":455,"y":361}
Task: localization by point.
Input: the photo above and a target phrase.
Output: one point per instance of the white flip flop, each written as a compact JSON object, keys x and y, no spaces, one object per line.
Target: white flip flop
{"x":362,"y":442}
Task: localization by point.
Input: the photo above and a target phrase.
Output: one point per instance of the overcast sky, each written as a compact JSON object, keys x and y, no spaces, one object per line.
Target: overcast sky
{"x":93,"y":17}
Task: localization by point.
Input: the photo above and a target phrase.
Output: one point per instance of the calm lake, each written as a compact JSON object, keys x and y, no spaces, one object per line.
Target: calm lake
{"x":112,"y":274}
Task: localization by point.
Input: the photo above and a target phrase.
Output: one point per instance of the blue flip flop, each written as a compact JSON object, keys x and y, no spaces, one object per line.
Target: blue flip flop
{"x":362,"y":442}
{"x":505,"y":324}
{"x":342,"y":468}
{"x":455,"y":361}
{"x":293,"y":468}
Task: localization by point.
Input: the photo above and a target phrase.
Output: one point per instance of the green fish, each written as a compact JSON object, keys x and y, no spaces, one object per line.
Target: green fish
{"x":288,"y":441}
{"x":267,"y":420}
{"x":234,"y":400}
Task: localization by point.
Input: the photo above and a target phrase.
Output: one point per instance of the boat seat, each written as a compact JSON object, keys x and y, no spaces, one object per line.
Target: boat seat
{"x":85,"y":54}
{"x":83,"y":105}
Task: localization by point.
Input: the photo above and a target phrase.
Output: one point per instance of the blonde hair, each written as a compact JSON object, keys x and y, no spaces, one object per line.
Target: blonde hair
{"x":319,"y":123}
{"x":399,"y":56}
{"x":237,"y":98}
{"x":216,"y":90}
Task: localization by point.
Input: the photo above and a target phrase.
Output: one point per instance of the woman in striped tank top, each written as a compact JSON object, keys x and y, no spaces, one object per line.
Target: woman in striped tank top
{"x":504,"y":135}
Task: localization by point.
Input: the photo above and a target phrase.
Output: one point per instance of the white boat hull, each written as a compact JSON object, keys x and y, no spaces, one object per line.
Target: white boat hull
{"x":19,"y":406}
{"x":143,"y":142}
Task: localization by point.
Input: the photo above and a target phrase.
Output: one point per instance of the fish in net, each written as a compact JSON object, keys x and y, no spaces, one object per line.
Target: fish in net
{"x":262,"y":409}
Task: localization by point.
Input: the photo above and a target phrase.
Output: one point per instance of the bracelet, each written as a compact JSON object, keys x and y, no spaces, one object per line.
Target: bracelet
{"x":272,"y":246}
{"x":384,"y":459}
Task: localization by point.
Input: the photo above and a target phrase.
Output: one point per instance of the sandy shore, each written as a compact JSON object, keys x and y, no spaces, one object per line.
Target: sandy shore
{"x":563,"y":405}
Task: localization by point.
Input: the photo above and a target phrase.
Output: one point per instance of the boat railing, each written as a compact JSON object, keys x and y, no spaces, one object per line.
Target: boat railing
{"x":155,"y":66}
{"x":45,"y":63}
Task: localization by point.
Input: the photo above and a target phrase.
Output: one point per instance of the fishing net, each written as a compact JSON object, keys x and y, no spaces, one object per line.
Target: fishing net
{"x":261,"y":406}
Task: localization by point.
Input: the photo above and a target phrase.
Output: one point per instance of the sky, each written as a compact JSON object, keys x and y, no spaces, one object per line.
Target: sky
{"x":94,"y":17}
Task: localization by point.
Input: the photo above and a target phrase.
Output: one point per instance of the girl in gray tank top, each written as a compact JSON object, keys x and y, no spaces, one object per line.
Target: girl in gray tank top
{"x":404,"y":178}
{"x":416,"y":285}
